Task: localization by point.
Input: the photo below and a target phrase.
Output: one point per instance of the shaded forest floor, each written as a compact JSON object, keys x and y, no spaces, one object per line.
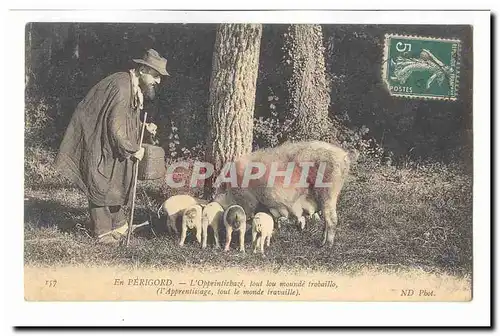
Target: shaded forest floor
{"x":389,"y":218}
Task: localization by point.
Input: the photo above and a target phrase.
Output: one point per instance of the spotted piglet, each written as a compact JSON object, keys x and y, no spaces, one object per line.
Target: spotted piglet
{"x":191,"y":220}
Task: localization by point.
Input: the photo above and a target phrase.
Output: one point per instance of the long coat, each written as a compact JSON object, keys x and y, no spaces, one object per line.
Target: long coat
{"x":102,"y":134}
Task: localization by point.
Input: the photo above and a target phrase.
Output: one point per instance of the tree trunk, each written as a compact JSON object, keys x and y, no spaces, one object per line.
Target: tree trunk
{"x":28,"y":55}
{"x":232,"y":95}
{"x":308,"y":93}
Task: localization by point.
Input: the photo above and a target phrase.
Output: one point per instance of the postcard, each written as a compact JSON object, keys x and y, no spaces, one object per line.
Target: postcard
{"x":273,"y":160}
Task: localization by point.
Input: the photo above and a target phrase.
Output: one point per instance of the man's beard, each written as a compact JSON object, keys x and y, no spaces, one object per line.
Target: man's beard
{"x":148,"y":91}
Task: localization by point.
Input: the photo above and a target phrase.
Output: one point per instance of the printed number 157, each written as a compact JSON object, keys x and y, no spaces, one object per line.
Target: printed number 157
{"x":402,"y":47}
{"x":51,"y":283}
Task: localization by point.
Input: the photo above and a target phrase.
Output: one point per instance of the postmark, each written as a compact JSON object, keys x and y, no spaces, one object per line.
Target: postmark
{"x":421,"y":67}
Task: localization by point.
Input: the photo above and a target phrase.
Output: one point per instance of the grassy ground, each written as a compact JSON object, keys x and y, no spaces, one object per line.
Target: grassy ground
{"x":418,"y":217}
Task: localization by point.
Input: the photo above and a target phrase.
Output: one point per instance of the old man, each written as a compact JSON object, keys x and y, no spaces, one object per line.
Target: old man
{"x":101,"y":143}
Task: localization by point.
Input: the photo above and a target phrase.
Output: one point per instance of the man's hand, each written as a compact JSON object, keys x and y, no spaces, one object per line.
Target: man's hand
{"x":139,"y":154}
{"x":151,"y":127}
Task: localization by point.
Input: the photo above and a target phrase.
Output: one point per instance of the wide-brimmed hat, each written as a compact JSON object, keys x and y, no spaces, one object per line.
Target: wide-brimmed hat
{"x":153,"y":60}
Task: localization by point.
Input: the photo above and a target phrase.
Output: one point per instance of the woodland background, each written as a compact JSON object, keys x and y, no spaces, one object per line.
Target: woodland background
{"x":65,"y":60}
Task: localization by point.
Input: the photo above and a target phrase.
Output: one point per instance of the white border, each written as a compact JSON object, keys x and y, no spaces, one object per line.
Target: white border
{"x":239,"y":313}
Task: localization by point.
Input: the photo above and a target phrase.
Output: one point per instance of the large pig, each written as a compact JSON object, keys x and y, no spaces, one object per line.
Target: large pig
{"x":316,"y":172}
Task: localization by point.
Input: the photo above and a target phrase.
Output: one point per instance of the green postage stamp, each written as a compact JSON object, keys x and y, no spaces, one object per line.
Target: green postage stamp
{"x":421,"y":67}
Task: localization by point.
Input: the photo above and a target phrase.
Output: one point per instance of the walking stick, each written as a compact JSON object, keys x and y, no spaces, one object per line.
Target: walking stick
{"x":134,"y":188}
